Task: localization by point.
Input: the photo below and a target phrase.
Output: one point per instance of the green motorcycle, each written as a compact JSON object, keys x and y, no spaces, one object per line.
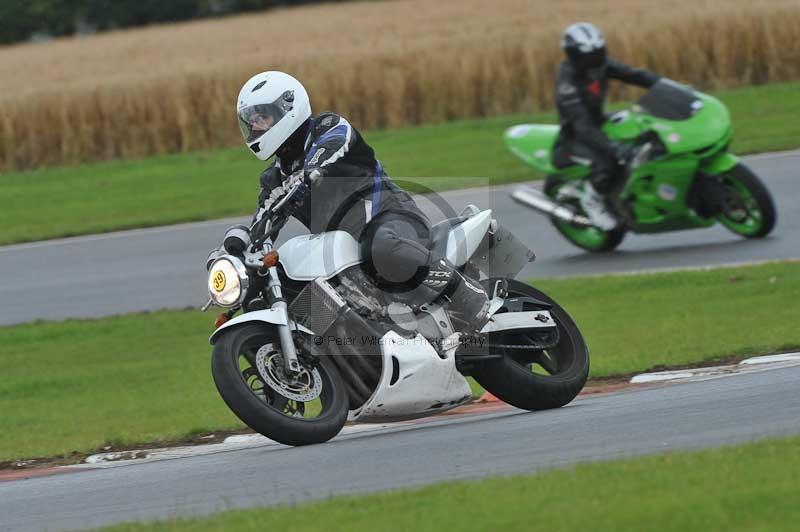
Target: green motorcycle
{"x":680,"y":176}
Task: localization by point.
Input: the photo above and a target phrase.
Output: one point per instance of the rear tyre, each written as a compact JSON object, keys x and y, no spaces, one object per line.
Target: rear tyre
{"x":747,"y":208}
{"x":588,"y":238}
{"x":538,"y":379}
{"x":246,"y":392}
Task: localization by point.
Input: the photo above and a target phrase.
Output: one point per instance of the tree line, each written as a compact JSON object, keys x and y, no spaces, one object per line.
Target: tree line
{"x":31,"y":19}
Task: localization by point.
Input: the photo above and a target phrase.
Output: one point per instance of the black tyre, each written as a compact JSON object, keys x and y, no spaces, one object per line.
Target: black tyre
{"x":588,"y":238}
{"x":747,"y":209}
{"x":234,"y":366}
{"x":538,"y":379}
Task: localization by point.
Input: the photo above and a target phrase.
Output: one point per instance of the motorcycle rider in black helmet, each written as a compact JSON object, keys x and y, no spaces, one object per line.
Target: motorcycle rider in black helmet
{"x":581,"y":86}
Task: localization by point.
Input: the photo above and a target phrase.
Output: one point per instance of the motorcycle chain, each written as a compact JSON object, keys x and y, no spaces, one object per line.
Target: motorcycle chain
{"x":532,"y":345}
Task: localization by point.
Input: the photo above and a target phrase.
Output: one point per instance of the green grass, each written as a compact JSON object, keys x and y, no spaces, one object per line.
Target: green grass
{"x":80,"y":385}
{"x":747,"y":487}
{"x":57,"y":202}
{"x":635,"y":322}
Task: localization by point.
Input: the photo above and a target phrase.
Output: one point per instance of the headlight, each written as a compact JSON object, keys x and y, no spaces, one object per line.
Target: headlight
{"x":227,"y":281}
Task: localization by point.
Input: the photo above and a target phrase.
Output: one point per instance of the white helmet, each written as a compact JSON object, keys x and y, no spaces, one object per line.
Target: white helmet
{"x":271,"y":106}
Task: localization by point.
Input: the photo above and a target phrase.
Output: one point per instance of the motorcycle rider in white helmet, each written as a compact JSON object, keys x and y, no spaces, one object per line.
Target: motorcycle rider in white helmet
{"x":346,"y":188}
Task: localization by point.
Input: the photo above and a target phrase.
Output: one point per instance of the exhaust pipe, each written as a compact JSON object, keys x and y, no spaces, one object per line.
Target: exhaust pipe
{"x":530,"y":197}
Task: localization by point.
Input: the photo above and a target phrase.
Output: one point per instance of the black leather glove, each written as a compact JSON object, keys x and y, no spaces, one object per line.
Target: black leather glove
{"x":300,"y":192}
{"x":303,"y":189}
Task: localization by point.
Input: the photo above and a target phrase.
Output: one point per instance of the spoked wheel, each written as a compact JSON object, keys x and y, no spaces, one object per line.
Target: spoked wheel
{"x":747,"y":206}
{"x":537,"y":379}
{"x":588,"y":238}
{"x":296,"y":409}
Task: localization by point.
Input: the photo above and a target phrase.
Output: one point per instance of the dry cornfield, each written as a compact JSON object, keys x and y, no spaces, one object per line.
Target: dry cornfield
{"x":172,"y":88}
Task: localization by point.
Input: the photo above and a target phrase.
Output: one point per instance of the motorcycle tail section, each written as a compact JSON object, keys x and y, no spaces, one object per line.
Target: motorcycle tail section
{"x":533,"y":143}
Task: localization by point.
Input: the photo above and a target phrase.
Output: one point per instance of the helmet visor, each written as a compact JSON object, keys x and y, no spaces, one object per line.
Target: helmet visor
{"x":593,"y":59}
{"x":256,"y":120}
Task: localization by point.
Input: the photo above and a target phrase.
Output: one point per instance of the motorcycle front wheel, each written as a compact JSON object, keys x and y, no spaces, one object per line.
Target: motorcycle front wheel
{"x":538,"y":379}
{"x":747,"y":207}
{"x":306,"y":408}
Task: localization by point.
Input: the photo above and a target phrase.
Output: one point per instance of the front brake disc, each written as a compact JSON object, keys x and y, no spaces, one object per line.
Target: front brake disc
{"x":305,"y":386}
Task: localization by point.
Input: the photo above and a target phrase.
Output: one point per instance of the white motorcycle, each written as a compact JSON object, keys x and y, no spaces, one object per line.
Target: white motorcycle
{"x":318,"y":343}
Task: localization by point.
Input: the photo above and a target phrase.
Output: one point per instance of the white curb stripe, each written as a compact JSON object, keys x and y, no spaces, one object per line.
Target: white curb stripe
{"x":749,"y":364}
{"x":771,"y":359}
{"x":681,"y":374}
{"x":239,"y":441}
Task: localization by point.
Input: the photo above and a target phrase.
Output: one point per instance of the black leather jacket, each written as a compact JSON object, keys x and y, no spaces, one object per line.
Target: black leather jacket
{"x":580,"y":98}
{"x":349,"y":186}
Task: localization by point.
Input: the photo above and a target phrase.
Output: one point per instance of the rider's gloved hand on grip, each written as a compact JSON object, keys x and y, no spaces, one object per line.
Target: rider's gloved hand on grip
{"x":303,"y":189}
{"x":299,"y":193}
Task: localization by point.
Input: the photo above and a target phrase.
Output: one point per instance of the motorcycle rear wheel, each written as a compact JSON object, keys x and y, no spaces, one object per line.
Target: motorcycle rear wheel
{"x":588,"y":238}
{"x":518,"y":378}
{"x":263,"y":409}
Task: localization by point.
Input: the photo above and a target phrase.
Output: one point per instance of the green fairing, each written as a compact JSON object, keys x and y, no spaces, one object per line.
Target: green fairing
{"x":657,"y":191}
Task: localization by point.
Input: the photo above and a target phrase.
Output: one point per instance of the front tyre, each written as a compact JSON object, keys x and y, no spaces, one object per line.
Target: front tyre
{"x":538,"y":379}
{"x":247,"y":368}
{"x":747,"y":206}
{"x":588,"y":238}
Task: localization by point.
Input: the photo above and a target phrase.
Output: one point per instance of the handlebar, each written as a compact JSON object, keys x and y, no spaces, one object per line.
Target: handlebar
{"x":276,"y":216}
{"x":289,"y":196}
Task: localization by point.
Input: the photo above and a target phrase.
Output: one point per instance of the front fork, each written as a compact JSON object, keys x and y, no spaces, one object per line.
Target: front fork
{"x":288,"y":348}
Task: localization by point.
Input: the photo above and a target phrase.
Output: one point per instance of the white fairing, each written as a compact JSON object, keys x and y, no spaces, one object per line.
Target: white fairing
{"x":322,"y":255}
{"x":424,"y":385}
{"x":464,"y":239}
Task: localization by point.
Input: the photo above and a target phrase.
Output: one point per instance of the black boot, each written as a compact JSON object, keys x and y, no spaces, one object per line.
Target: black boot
{"x":468,"y":303}
{"x":464,"y":299}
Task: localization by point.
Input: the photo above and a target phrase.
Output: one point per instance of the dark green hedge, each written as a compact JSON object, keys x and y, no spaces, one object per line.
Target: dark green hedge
{"x":22,"y":19}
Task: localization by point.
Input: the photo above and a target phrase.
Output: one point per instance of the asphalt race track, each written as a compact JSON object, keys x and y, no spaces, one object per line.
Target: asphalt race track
{"x":691,"y":415}
{"x":150,"y":269}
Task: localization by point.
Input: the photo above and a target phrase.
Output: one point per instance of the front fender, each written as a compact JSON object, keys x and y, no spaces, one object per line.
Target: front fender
{"x":719,"y":164}
{"x":272,"y":316}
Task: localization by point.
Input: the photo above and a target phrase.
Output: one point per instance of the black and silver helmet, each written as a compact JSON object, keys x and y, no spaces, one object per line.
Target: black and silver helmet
{"x":585,"y":46}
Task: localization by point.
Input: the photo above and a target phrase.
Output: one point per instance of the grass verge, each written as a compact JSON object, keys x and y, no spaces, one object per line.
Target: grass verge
{"x":206,"y":185}
{"x":76,"y":386}
{"x":746,"y":487}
